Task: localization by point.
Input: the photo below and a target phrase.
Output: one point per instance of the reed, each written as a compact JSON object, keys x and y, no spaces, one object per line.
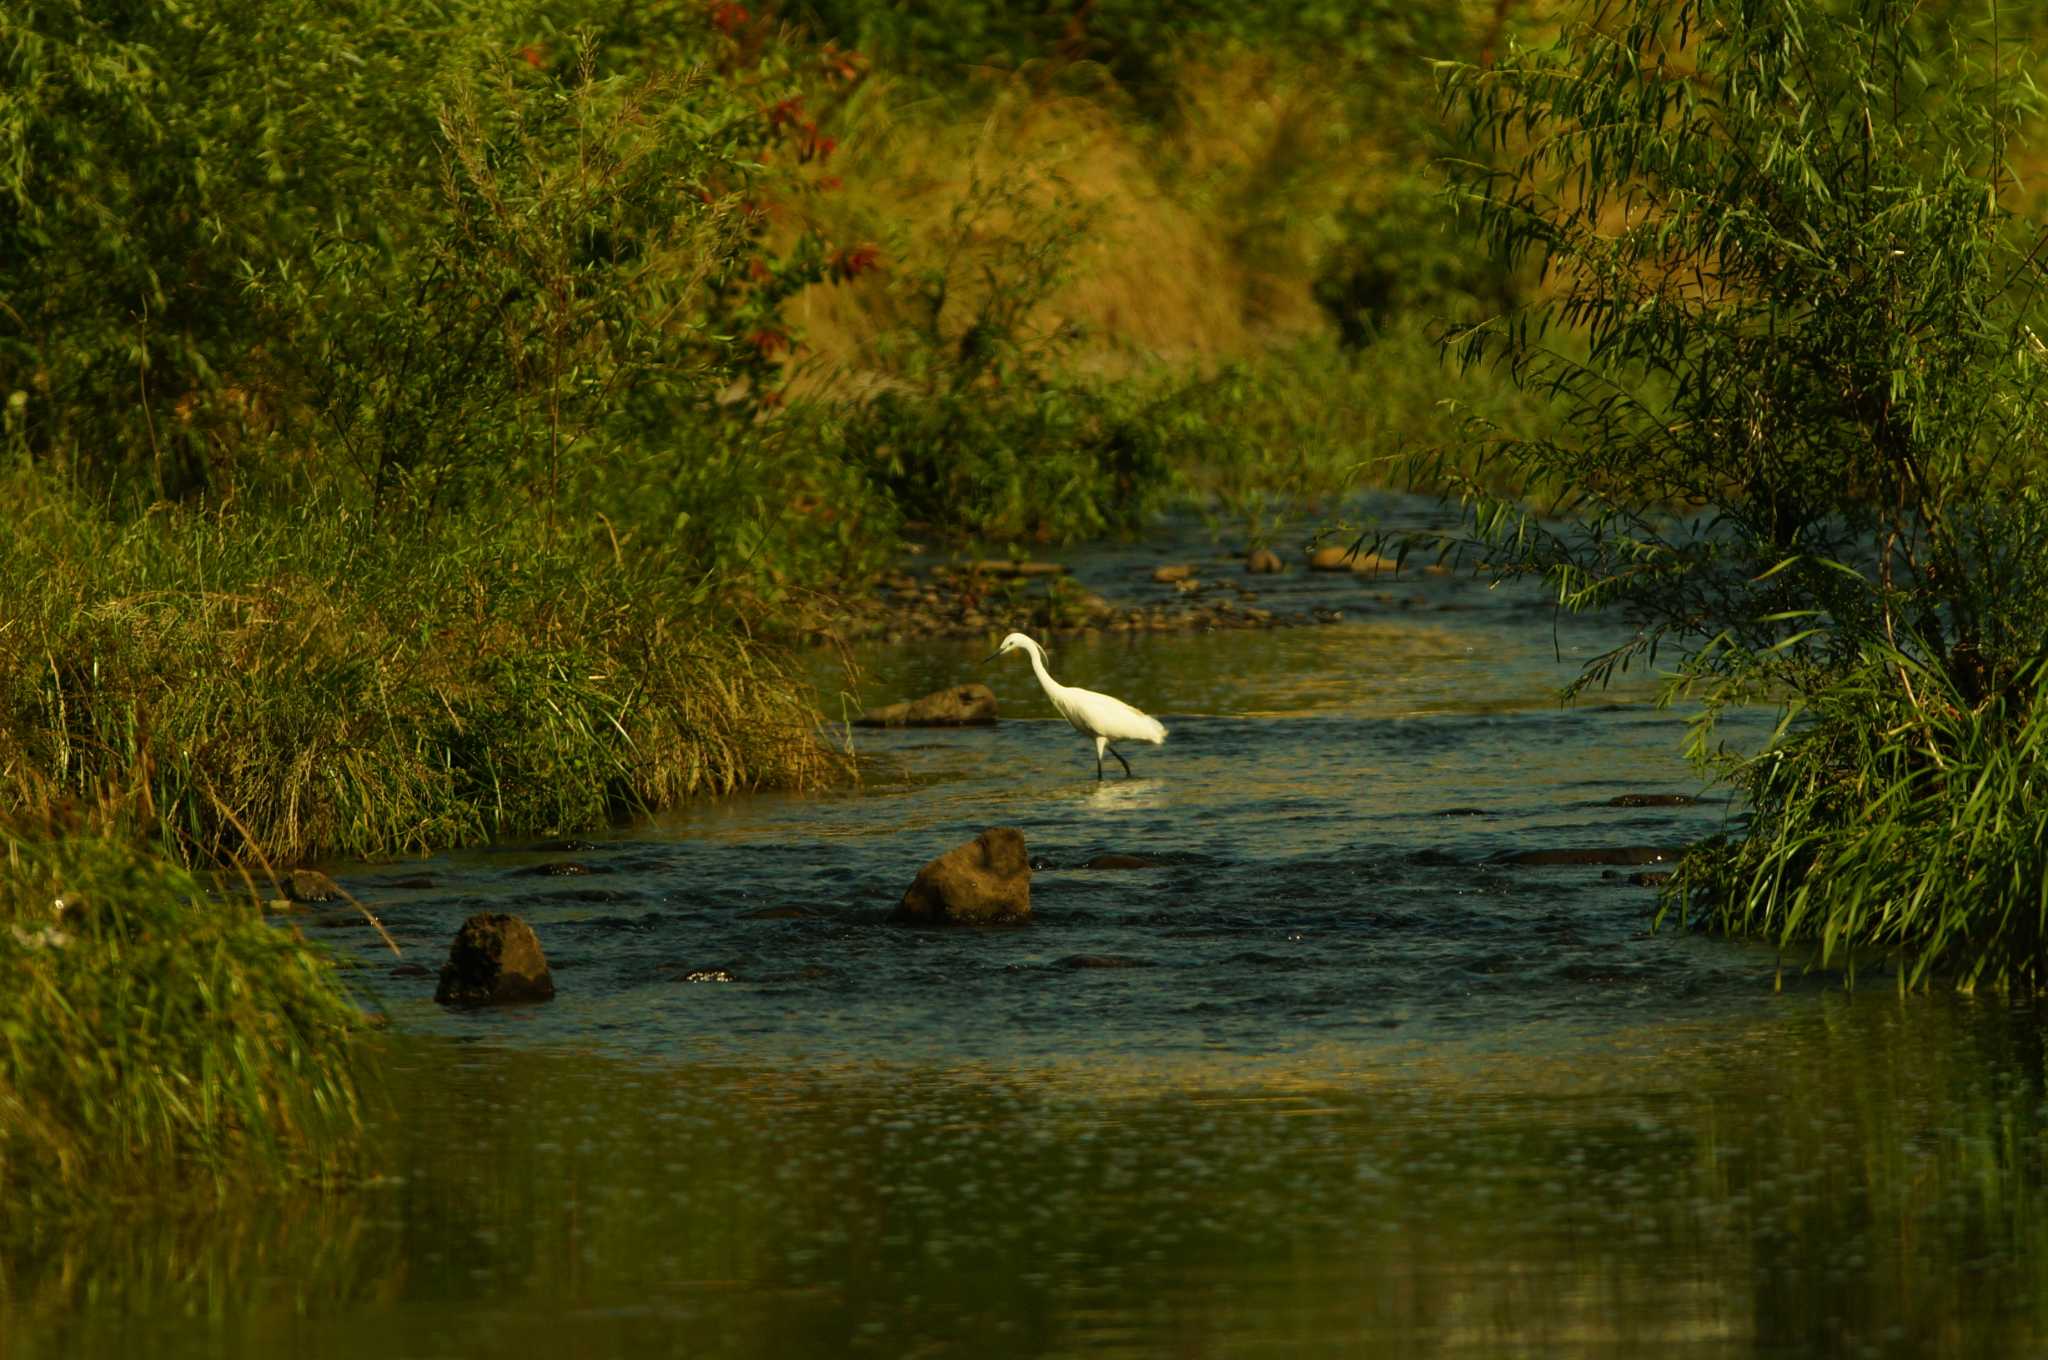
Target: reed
{"x":314,"y":685}
{"x":156,"y":1037}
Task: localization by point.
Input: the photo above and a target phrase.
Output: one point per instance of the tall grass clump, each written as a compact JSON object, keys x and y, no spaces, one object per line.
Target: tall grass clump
{"x":156,"y":1037}
{"x":1803,"y":430}
{"x":323,"y":686}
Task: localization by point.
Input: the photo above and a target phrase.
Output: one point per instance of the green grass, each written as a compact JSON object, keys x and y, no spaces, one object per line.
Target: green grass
{"x":157,"y":1038}
{"x":307,"y":684}
{"x":1895,"y":820}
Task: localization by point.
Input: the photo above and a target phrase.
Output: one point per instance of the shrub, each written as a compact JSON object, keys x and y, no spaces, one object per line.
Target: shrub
{"x":1800,"y":441}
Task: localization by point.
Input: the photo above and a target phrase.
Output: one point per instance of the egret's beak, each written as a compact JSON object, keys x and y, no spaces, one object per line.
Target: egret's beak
{"x":991,"y":656}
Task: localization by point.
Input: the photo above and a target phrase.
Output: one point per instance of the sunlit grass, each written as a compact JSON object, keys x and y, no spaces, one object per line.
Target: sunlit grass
{"x":317,"y":685}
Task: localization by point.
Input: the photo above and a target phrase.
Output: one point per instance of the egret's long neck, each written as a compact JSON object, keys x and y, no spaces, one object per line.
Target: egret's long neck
{"x":1052,"y":686}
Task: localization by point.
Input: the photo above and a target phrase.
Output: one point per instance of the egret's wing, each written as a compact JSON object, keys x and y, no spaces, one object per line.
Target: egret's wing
{"x":1105,"y":715}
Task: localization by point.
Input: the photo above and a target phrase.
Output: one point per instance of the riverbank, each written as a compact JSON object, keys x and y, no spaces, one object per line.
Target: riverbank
{"x":163,"y":1042}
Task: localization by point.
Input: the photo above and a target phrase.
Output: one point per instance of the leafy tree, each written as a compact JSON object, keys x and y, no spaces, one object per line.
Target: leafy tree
{"x":1791,"y":313}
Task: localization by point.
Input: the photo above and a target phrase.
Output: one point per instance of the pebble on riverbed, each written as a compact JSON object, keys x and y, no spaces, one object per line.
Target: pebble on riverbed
{"x":984,"y":882}
{"x":495,"y":960}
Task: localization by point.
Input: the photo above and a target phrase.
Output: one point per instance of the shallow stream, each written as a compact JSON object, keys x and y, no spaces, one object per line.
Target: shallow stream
{"x":1331,"y":1077}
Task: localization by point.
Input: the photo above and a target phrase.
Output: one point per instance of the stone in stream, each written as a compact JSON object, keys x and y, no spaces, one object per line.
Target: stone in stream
{"x":310,"y":885}
{"x":994,"y":568}
{"x":1168,"y":575}
{"x":960,"y":706}
{"x":985,"y":881}
{"x":495,"y":960}
{"x":1263,"y":562}
{"x":1337,"y":557}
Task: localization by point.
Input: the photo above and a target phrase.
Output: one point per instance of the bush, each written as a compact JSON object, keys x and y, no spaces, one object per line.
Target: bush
{"x":1800,"y":442}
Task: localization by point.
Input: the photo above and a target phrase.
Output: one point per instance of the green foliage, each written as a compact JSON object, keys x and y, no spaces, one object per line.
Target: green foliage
{"x":1138,"y":44}
{"x":980,"y":422}
{"x":1800,"y":439}
{"x":313,"y":684}
{"x":260,"y":249}
{"x":1900,"y":818}
{"x":1404,"y":255}
{"x":154,"y":1036}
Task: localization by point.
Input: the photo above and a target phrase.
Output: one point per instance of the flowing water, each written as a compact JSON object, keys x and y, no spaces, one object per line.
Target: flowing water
{"x":1330,"y":1076}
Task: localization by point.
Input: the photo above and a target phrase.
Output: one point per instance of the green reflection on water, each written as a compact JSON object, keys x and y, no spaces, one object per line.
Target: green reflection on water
{"x":1851,"y":1175}
{"x":1385,"y":667}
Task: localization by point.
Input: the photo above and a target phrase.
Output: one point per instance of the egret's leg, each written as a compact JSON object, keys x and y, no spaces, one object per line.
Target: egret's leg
{"x":1119,"y":760}
{"x":1100,"y":742}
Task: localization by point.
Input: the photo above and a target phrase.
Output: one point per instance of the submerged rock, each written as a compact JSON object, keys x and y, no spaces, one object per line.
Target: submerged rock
{"x":1619,"y":854}
{"x":1178,"y":571}
{"x":557,"y":868}
{"x":1114,"y":861}
{"x":495,"y":960}
{"x":982,"y":882}
{"x":310,"y":885}
{"x":1263,"y":562}
{"x":960,"y":706}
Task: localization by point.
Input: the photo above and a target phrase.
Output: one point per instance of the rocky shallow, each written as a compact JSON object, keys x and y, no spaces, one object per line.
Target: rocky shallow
{"x":973,"y":598}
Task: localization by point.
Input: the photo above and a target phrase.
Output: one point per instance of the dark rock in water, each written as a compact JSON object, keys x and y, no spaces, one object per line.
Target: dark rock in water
{"x":334,"y":918}
{"x":1121,"y":862}
{"x":984,"y":881}
{"x":601,"y":896}
{"x":558,"y":868}
{"x":1263,"y":562}
{"x":1178,"y":571}
{"x":412,"y":970}
{"x":1078,"y":961}
{"x":310,"y":885}
{"x":1620,"y":854}
{"x":781,"y":914}
{"x":413,"y":884}
{"x":496,"y":959}
{"x":1653,"y":800}
{"x":960,"y":706}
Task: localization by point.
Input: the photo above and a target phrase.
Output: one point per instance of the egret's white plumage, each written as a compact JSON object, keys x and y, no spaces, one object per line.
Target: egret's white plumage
{"x":1101,"y":716}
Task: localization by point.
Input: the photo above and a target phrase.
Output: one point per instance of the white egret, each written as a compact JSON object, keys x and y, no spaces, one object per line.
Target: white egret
{"x":1100,"y":716}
